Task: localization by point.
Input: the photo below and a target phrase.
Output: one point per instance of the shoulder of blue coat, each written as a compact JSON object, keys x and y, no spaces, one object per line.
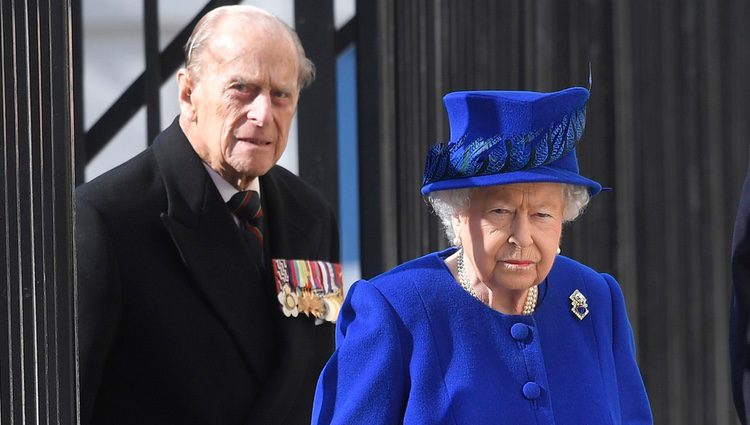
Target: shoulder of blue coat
{"x":401,"y":285}
{"x":568,"y":265}
{"x":568,"y":275}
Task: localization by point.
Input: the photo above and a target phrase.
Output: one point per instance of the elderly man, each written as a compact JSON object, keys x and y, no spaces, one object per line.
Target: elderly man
{"x":187,"y":311}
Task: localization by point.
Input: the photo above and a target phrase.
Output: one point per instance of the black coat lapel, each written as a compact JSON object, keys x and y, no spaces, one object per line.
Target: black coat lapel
{"x":292,"y":235}
{"x":292,"y":229}
{"x":212,"y":248}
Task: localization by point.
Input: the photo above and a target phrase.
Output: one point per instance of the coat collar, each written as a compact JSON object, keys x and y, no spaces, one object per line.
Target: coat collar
{"x":212,"y":248}
{"x":293,"y":234}
{"x":293,"y":231}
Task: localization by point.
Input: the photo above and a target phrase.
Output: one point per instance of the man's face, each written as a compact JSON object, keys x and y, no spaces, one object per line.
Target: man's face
{"x":239,"y":108}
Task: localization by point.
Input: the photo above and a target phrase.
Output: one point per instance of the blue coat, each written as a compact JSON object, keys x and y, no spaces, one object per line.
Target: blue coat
{"x":414,"y":347}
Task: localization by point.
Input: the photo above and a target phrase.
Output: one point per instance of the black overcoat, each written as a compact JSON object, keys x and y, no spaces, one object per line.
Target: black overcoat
{"x":177,"y":324}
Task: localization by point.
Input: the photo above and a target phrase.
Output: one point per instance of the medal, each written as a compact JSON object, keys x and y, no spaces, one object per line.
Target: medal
{"x":313,"y":288}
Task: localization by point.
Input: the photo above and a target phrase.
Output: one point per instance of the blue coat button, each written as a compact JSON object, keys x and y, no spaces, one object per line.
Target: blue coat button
{"x":520,"y":332}
{"x":532,"y":390}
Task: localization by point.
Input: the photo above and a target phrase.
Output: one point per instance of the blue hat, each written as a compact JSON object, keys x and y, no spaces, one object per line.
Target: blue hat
{"x":503,"y":137}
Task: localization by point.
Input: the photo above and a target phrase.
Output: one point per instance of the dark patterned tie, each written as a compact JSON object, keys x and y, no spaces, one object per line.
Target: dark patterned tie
{"x":246,"y":206}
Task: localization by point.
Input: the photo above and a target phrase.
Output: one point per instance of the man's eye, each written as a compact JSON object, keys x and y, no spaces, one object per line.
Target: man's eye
{"x":280,"y":94}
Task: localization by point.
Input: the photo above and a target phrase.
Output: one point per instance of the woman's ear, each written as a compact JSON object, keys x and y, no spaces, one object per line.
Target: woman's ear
{"x":456,"y":222}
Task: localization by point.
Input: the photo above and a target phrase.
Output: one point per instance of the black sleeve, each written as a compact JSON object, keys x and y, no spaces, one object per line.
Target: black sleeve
{"x":739,"y":340}
{"x":99,"y":301}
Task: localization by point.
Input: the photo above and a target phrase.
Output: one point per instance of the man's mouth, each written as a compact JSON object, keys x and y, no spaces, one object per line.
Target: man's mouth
{"x":254,"y":140}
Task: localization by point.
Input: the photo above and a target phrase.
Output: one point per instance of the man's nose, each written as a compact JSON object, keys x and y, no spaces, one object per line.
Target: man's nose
{"x":260,"y":109}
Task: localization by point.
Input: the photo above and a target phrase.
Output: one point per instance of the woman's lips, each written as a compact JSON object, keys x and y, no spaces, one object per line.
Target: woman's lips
{"x":518,"y":264}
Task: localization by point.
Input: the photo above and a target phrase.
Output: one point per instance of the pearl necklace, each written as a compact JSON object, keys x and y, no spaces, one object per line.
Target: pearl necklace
{"x":531,"y":297}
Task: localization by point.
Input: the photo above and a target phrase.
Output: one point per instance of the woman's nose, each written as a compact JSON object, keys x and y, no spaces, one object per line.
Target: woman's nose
{"x":520,"y":234}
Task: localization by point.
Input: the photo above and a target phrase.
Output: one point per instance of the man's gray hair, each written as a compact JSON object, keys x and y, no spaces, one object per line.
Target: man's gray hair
{"x":204,"y":30}
{"x":448,"y":203}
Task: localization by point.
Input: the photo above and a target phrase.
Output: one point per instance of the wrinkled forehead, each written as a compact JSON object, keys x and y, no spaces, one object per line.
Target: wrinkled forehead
{"x":538,"y":193}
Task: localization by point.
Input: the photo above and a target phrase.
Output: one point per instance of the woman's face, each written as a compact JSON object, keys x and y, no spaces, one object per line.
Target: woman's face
{"x":511,"y":233}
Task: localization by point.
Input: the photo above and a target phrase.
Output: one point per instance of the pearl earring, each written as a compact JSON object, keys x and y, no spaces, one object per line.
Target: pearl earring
{"x":456,"y":241}
{"x":558,"y":250}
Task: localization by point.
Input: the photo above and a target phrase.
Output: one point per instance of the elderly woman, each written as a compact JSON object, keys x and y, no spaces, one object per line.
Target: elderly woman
{"x":501,"y":328}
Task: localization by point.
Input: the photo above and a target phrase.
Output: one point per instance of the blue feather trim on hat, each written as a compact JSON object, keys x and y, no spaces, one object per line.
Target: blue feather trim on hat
{"x":506,"y":134}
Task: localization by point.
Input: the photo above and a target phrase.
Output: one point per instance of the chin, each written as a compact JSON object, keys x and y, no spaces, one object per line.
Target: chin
{"x":255,"y":172}
{"x":253,"y":168}
{"x":516,"y":282}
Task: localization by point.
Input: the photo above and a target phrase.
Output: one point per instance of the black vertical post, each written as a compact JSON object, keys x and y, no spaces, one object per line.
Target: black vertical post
{"x":153,"y":68}
{"x":79,"y":133}
{"x":37,"y":332}
{"x":316,"y":113}
{"x":377,"y":136}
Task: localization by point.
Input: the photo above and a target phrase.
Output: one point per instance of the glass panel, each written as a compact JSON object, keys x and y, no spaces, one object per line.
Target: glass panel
{"x":346,"y":101}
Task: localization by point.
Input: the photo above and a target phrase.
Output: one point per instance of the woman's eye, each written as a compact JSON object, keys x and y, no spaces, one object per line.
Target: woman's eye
{"x":543,"y":215}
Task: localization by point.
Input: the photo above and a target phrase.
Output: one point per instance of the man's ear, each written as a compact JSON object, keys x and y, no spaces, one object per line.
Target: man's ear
{"x":186,"y":85}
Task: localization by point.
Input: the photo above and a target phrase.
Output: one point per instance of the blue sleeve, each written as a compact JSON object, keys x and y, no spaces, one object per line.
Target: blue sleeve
{"x":366,"y":379}
{"x":634,"y":405}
